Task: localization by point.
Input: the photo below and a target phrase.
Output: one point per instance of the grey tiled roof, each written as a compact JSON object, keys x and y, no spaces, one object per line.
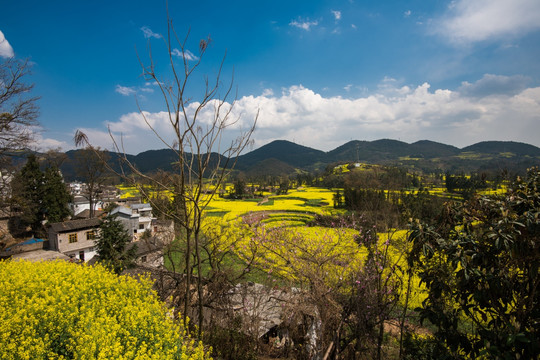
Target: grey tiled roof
{"x":75,"y":225}
{"x":121,"y":210}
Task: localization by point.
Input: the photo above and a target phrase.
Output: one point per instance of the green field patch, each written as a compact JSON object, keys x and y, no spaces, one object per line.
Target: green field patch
{"x":289,"y":216}
{"x":287,"y":197}
{"x":469,"y":155}
{"x":269,"y":202}
{"x":216,"y":213}
{"x":252,"y":200}
{"x":316,"y":202}
{"x":409,"y":158}
{"x":284,"y":223}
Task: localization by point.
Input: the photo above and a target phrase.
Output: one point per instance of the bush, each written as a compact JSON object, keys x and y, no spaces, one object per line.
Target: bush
{"x":61,"y":310}
{"x":480,"y":268}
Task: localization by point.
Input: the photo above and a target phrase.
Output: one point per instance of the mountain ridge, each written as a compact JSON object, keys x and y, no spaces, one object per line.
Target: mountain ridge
{"x":283,"y":157}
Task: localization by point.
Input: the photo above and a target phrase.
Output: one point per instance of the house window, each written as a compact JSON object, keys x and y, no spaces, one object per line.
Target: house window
{"x":90,"y":235}
{"x":72,"y":238}
{"x":143,"y":258}
{"x":141,"y":226}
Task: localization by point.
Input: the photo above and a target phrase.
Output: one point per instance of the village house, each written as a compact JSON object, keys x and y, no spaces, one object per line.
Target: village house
{"x":75,"y":238}
{"x":80,"y":204}
{"x":136,"y":219}
{"x":150,"y":249}
{"x":105,"y":196}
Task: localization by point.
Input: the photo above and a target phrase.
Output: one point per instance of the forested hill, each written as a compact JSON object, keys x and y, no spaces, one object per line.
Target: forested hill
{"x":283,"y":157}
{"x":422,"y":155}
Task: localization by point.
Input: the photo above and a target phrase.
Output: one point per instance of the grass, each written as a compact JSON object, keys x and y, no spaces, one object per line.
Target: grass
{"x":231,"y":263}
{"x":217,"y":213}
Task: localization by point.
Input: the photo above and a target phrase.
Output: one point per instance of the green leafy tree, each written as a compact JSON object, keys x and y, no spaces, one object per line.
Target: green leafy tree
{"x":114,"y":246}
{"x":480,"y":267}
{"x":55,"y":196}
{"x":239,"y":189}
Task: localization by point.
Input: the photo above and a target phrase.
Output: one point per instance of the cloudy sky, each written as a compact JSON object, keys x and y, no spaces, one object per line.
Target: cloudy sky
{"x":320,"y":73}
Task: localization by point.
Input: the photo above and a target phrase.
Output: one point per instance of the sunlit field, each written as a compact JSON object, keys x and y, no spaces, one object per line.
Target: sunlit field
{"x":283,"y":246}
{"x":302,"y":200}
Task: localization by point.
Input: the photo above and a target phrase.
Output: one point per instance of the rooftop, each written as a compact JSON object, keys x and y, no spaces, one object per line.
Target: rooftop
{"x":75,"y":225}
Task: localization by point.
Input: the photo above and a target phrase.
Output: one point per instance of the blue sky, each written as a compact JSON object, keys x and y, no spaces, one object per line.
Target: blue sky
{"x":320,"y":73}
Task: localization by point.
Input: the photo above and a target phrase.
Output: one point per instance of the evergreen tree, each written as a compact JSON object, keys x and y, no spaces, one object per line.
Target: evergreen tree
{"x":113,"y":245}
{"x":55,"y":196}
{"x":28,"y":198}
{"x":37,"y":196}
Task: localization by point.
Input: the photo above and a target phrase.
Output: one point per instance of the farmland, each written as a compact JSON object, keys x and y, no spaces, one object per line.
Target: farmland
{"x":367,"y":254}
{"x":290,"y":214}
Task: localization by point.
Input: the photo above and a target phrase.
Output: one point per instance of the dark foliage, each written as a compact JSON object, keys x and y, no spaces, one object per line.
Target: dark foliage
{"x":114,"y":246}
{"x":37,"y":196}
{"x":55,"y":196}
{"x":421,"y":205}
{"x":480,"y":266}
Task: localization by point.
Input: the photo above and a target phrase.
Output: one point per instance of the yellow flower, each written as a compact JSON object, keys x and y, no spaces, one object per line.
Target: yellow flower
{"x":56,"y":310}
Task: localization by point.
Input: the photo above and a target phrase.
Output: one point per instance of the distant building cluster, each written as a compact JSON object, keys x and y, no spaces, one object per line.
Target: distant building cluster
{"x":75,"y":239}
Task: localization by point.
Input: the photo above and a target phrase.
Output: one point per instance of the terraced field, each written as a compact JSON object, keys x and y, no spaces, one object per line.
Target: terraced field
{"x":272,"y":230}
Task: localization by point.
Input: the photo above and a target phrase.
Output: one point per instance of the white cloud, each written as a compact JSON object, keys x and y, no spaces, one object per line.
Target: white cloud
{"x":469,"y":21}
{"x":337,"y":14}
{"x":6,"y":51}
{"x":188,"y":55}
{"x":147,"y":90}
{"x":42,"y":143}
{"x":408,"y":113}
{"x":125,"y":90}
{"x":268,"y":92}
{"x":495,"y":85}
{"x":45,"y":144}
{"x":304,"y":25}
{"x":148,"y":33}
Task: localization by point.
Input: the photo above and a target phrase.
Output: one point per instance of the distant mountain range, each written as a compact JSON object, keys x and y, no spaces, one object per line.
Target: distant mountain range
{"x":425,"y":155}
{"x":283,"y":157}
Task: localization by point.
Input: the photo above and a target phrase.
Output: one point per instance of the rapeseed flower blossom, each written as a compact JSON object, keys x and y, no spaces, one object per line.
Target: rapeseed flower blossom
{"x":60,"y":310}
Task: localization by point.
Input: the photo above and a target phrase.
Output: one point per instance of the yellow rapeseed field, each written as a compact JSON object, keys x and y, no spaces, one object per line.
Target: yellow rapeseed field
{"x":61,"y":310}
{"x":280,"y":254}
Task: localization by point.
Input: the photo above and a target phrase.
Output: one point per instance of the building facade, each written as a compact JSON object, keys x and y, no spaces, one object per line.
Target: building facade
{"x":136,"y":218}
{"x":75,"y":238}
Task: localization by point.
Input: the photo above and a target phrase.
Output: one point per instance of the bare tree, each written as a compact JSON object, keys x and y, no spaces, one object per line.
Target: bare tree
{"x":202,"y":160}
{"x":18,"y":110}
{"x":18,"y":113}
{"x":91,"y":166}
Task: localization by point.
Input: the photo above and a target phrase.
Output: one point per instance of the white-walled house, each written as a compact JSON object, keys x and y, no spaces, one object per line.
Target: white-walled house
{"x":75,"y":188}
{"x":75,"y":238}
{"x":136,"y":218}
{"x":80,"y":203}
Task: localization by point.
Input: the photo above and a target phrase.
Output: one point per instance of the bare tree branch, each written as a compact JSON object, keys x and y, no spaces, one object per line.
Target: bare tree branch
{"x":18,"y":110}
{"x":201,"y":164}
